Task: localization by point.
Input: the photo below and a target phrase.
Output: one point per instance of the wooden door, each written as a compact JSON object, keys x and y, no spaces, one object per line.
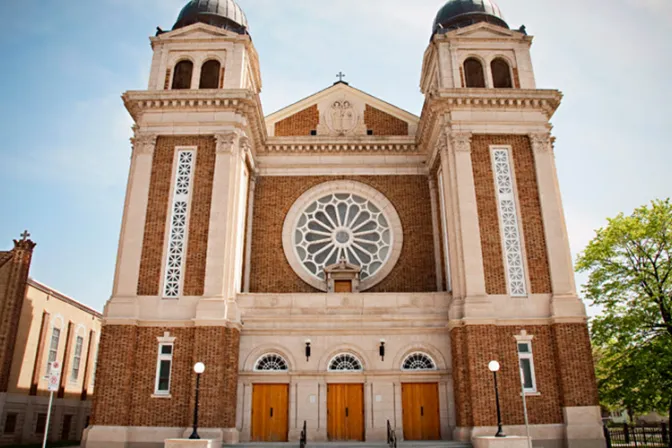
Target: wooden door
{"x":420,"y":404}
{"x":270,"y":412}
{"x":345,"y":412}
{"x":343,"y":286}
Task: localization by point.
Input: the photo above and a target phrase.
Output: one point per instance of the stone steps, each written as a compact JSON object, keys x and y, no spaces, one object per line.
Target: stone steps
{"x":405,"y":444}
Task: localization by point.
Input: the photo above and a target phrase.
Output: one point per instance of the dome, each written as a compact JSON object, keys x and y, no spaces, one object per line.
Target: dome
{"x":460,"y":13}
{"x":221,"y":13}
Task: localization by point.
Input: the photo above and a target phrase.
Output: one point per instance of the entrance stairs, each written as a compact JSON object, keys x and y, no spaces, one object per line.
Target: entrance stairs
{"x":406,"y":444}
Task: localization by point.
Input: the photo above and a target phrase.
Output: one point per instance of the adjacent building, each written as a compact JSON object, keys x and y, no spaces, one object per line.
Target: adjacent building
{"x":38,"y":326}
{"x":343,"y":262}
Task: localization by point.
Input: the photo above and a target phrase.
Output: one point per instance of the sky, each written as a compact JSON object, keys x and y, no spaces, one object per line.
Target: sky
{"x":65,"y":134}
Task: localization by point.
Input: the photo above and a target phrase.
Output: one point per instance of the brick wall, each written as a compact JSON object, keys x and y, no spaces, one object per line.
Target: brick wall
{"x":530,"y":213}
{"x":575,"y":368}
{"x":149,"y":281}
{"x":473,"y":347}
{"x":125,"y":384}
{"x":298,"y":124}
{"x":382,"y":123}
{"x":414,"y":272}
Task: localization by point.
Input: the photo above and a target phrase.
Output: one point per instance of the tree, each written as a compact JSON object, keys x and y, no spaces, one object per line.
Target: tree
{"x":630,"y":277}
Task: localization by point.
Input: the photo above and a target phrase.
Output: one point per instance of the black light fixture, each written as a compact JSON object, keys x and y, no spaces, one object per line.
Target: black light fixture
{"x":199,"y":368}
{"x":494,"y":368}
{"x":307,"y":350}
{"x":381,"y":350}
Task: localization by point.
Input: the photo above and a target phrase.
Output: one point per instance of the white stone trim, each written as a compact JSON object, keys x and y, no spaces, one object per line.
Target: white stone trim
{"x":335,"y":187}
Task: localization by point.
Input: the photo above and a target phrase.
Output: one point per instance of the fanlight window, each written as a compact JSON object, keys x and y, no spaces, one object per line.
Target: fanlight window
{"x":345,"y":362}
{"x":418,"y":361}
{"x":473,"y":73}
{"x":271,"y":363}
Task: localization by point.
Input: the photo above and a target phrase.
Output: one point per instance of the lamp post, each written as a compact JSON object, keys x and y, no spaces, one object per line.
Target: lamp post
{"x":199,"y":368}
{"x":494,"y":368}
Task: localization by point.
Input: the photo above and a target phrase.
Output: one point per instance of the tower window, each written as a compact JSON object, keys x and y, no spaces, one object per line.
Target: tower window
{"x":163,"y":368}
{"x":210,"y":75}
{"x":501,"y":74}
{"x":182,"y":76}
{"x":527,"y":366}
{"x":473,"y":72}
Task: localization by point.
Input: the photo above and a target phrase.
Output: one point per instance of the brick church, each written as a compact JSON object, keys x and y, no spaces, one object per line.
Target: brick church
{"x":343,"y":262}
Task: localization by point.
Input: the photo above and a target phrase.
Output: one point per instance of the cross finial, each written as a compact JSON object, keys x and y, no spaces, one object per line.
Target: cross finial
{"x":340,"y":76}
{"x":25,"y":235}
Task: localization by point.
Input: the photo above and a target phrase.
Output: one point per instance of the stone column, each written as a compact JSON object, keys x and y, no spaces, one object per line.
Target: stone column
{"x":135,"y":212}
{"x":565,"y":300}
{"x":248,"y":236}
{"x":438,"y":237}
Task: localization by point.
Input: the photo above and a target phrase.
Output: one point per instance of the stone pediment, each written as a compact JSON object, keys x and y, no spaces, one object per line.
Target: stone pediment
{"x":485,"y":30}
{"x":197,"y":31}
{"x":341,"y":111}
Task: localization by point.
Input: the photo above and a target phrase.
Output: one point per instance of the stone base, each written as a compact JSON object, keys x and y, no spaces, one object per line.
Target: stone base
{"x":501,"y":442}
{"x":151,"y":437}
{"x":189,"y":443}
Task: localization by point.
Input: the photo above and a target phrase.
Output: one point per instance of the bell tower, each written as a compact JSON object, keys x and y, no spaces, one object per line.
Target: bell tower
{"x":485,"y":126}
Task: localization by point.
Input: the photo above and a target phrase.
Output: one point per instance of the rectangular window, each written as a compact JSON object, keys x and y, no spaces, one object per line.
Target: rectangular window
{"x":77,"y":358}
{"x":444,"y":233}
{"x":527,"y":366}
{"x":53,"y":348}
{"x":163,"y":368}
{"x":10,"y":423}
{"x":177,"y":238}
{"x":41,"y":423}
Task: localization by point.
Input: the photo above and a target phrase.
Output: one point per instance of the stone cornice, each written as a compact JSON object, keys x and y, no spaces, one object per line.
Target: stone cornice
{"x":316,"y":145}
{"x":240,"y":101}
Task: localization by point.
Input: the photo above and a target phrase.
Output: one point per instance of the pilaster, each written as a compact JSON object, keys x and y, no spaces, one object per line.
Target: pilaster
{"x":438,"y":237}
{"x":135,"y":212}
{"x":248,"y":235}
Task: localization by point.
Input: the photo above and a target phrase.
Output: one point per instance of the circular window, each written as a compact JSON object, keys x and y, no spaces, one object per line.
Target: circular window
{"x":342,"y":220}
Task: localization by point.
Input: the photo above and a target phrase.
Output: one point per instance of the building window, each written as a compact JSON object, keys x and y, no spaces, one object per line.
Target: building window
{"x":41,"y":423}
{"x":163,"y":367}
{"x":418,"y":361}
{"x":473,"y":73}
{"x":271,"y":362}
{"x":77,"y":358}
{"x":527,"y":366}
{"x":182,"y":75}
{"x":501,"y":74}
{"x":345,"y":362}
{"x":513,"y":252}
{"x":10,"y":423}
{"x":178,"y":223}
{"x":53,"y":348}
{"x":444,"y":233}
{"x":210,"y":75}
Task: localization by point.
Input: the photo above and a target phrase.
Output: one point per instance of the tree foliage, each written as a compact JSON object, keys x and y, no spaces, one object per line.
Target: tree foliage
{"x":630,"y":278}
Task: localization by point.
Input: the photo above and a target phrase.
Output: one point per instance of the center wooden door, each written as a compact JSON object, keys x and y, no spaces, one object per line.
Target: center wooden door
{"x":345,"y":412}
{"x":270,"y":413}
{"x":420,"y":404}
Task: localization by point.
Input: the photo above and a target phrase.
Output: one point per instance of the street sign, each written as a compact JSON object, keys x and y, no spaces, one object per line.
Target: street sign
{"x":54,"y":377}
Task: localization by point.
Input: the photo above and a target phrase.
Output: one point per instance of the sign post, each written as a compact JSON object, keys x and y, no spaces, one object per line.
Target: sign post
{"x":54,"y":379}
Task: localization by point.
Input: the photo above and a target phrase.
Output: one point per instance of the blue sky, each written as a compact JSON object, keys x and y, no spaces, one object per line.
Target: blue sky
{"x":64,"y":131}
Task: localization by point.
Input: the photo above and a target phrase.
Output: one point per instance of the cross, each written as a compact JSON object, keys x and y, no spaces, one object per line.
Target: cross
{"x":340,"y":76}
{"x":25,"y":235}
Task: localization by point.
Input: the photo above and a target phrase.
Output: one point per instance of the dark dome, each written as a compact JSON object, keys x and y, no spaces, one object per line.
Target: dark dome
{"x":460,"y":13}
{"x":221,"y":13}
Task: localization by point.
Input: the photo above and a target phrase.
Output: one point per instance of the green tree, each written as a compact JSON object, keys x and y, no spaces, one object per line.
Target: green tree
{"x":630,"y":278}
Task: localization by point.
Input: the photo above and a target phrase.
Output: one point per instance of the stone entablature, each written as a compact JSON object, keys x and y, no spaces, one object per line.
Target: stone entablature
{"x":317,"y":145}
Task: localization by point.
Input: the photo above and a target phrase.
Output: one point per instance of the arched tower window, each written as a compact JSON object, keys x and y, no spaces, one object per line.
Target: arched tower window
{"x":501,"y":74}
{"x":271,"y":363}
{"x":345,"y":362}
{"x":182,"y":75}
{"x":210,"y":75}
{"x":473,"y":73}
{"x":418,"y":361}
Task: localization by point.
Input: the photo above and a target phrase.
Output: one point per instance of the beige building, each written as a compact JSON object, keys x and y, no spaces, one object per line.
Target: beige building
{"x":39,"y":326}
{"x":343,"y":262}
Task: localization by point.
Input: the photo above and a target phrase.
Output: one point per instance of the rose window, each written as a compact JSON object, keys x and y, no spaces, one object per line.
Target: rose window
{"x":333,"y":225}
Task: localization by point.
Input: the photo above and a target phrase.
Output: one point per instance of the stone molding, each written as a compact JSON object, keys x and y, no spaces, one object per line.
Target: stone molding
{"x":542,"y":142}
{"x":227,"y":142}
{"x":144,"y":142}
{"x":342,"y":147}
{"x":461,"y":141}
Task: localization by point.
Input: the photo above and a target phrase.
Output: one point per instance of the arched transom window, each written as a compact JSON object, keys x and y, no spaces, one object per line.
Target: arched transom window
{"x":271,"y":362}
{"x":345,"y":362}
{"x":418,"y":361}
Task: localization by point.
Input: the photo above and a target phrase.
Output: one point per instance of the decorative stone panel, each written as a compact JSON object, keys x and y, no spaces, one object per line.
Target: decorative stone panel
{"x":382,"y":123}
{"x":299,"y":124}
{"x":415,"y":270}
{"x":151,"y":262}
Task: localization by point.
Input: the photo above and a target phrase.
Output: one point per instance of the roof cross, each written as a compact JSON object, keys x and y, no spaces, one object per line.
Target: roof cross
{"x":25,"y":235}
{"x":340,"y":76}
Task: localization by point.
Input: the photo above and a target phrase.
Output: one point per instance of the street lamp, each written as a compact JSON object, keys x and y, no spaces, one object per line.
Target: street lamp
{"x":199,"y":368}
{"x":494,"y":368}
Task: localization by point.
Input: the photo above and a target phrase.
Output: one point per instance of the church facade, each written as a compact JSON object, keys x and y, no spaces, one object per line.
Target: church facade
{"x":343,"y":262}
